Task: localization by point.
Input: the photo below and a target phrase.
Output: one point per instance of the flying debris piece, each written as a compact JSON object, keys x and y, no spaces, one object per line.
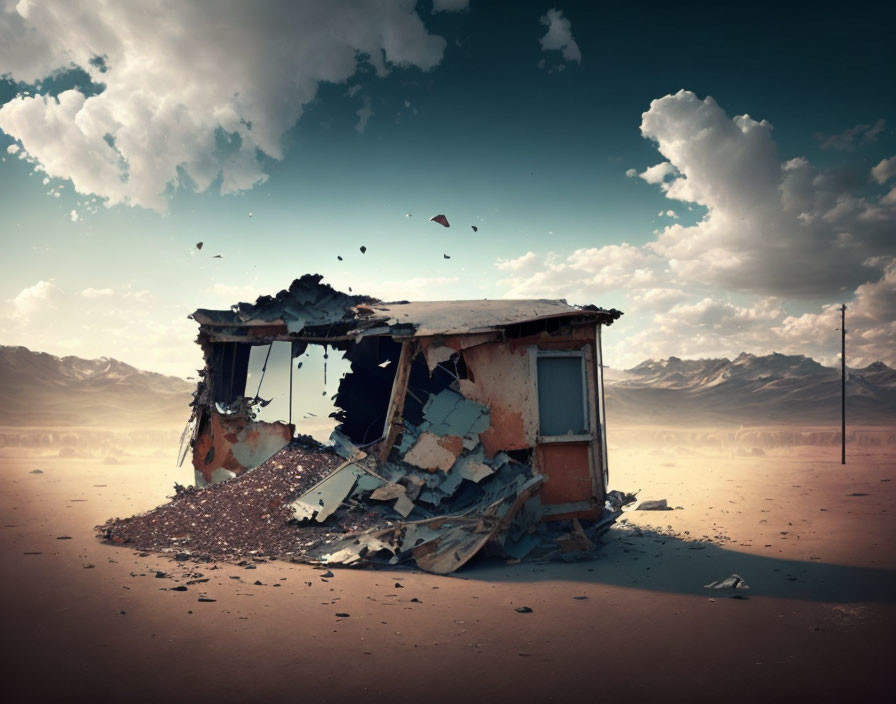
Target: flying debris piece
{"x":250,"y":213}
{"x":407,"y":215}
{"x":475,"y":229}
{"x":363,"y":249}
{"x":441,"y":219}
{"x":446,"y":256}
{"x":338,"y":257}
{"x":217,"y":256}
{"x":199,"y":245}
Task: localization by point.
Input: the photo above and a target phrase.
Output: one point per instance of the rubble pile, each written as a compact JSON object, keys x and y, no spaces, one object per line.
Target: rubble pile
{"x":248,"y":516}
{"x":309,"y":504}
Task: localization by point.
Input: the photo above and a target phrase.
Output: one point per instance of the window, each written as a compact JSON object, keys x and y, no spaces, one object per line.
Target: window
{"x":562,"y":396}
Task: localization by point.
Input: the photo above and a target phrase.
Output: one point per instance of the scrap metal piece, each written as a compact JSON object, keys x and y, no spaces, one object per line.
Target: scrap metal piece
{"x":432,"y":453}
{"x":328,"y":494}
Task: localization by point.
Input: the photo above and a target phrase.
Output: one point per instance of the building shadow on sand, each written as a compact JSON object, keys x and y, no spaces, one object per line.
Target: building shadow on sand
{"x":643,"y":559}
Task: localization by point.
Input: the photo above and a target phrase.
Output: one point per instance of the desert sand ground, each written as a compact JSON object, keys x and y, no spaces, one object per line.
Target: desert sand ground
{"x":814,"y":540}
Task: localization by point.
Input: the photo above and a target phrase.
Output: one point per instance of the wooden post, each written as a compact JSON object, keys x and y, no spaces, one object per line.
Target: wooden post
{"x":843,"y":384}
{"x":396,"y":402}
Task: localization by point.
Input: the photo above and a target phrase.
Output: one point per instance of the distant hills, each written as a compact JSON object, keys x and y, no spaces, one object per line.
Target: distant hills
{"x":750,"y":389}
{"x":39,"y":389}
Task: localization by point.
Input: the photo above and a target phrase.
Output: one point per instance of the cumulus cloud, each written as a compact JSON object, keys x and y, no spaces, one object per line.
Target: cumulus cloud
{"x":631,"y":173}
{"x":583,"y":274}
{"x":559,"y":36}
{"x":657,"y":173}
{"x":518,"y":263}
{"x":74,"y":216}
{"x":12,"y":149}
{"x":774,"y":231}
{"x":885,"y":170}
{"x":770,"y":227}
{"x":44,"y":295}
{"x":449,"y":5}
{"x":851,"y":138}
{"x":186,"y":100}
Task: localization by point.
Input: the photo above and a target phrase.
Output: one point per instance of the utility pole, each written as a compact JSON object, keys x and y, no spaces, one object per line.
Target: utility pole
{"x":843,"y":384}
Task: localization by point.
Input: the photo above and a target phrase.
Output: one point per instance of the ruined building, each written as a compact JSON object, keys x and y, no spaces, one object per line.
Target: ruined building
{"x":460,"y":423}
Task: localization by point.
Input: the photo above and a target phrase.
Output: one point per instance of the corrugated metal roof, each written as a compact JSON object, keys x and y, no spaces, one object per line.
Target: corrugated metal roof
{"x":309,"y":305}
{"x":456,"y":317}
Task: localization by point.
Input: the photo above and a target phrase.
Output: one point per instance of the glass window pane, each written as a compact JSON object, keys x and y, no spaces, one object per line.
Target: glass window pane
{"x":561,"y":405}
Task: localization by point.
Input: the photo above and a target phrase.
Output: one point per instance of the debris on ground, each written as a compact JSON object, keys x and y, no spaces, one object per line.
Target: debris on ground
{"x":735,"y":581}
{"x":657,"y":505}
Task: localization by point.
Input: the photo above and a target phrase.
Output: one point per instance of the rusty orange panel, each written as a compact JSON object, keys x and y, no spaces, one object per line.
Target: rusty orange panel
{"x":506,"y":431}
{"x":239,"y":444}
{"x":566,"y":468}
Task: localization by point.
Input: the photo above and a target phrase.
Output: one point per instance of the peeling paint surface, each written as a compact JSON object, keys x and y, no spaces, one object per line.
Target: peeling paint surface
{"x":429,"y":453}
{"x":236,"y":444}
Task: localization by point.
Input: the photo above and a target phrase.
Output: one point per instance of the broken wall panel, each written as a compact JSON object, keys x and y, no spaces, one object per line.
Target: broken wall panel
{"x":501,"y":379}
{"x":227,"y":446}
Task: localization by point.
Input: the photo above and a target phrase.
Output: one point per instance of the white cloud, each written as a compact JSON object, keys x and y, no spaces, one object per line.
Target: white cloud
{"x":851,"y":138}
{"x":559,"y":36}
{"x":773,"y":231}
{"x":12,"y":149}
{"x":671,"y":214}
{"x":97,"y":292}
{"x":770,"y":227}
{"x":364,"y":114}
{"x":243,"y":78}
{"x":74,"y":216}
{"x":44,"y":295}
{"x":631,"y":173}
{"x":449,"y":5}
{"x":657,"y":173}
{"x":885,"y":170}
{"x":517,"y":264}
{"x":583,"y":274}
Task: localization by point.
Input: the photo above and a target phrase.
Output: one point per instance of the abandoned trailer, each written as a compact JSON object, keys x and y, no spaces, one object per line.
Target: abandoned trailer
{"x":461,"y":424}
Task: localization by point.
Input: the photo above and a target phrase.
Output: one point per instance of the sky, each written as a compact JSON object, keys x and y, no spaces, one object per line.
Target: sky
{"x":726,"y":180}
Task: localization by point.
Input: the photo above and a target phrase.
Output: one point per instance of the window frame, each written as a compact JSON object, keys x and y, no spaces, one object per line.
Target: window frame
{"x":586,"y":413}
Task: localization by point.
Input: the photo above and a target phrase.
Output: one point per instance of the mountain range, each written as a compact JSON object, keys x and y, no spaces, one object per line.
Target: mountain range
{"x":39,"y":389}
{"x":749,"y":389}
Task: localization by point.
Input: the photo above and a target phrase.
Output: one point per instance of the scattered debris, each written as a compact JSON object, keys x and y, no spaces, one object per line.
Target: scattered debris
{"x":445,"y":256}
{"x":475,"y":229}
{"x":199,"y":245}
{"x":735,"y":581}
{"x":363,"y":249}
{"x":441,"y":219}
{"x":217,"y":256}
{"x":36,"y":471}
{"x":523,"y":610}
{"x":657,"y":505}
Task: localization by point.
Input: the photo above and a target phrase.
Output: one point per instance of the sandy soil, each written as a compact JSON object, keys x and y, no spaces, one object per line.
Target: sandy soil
{"x":814,"y":541}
